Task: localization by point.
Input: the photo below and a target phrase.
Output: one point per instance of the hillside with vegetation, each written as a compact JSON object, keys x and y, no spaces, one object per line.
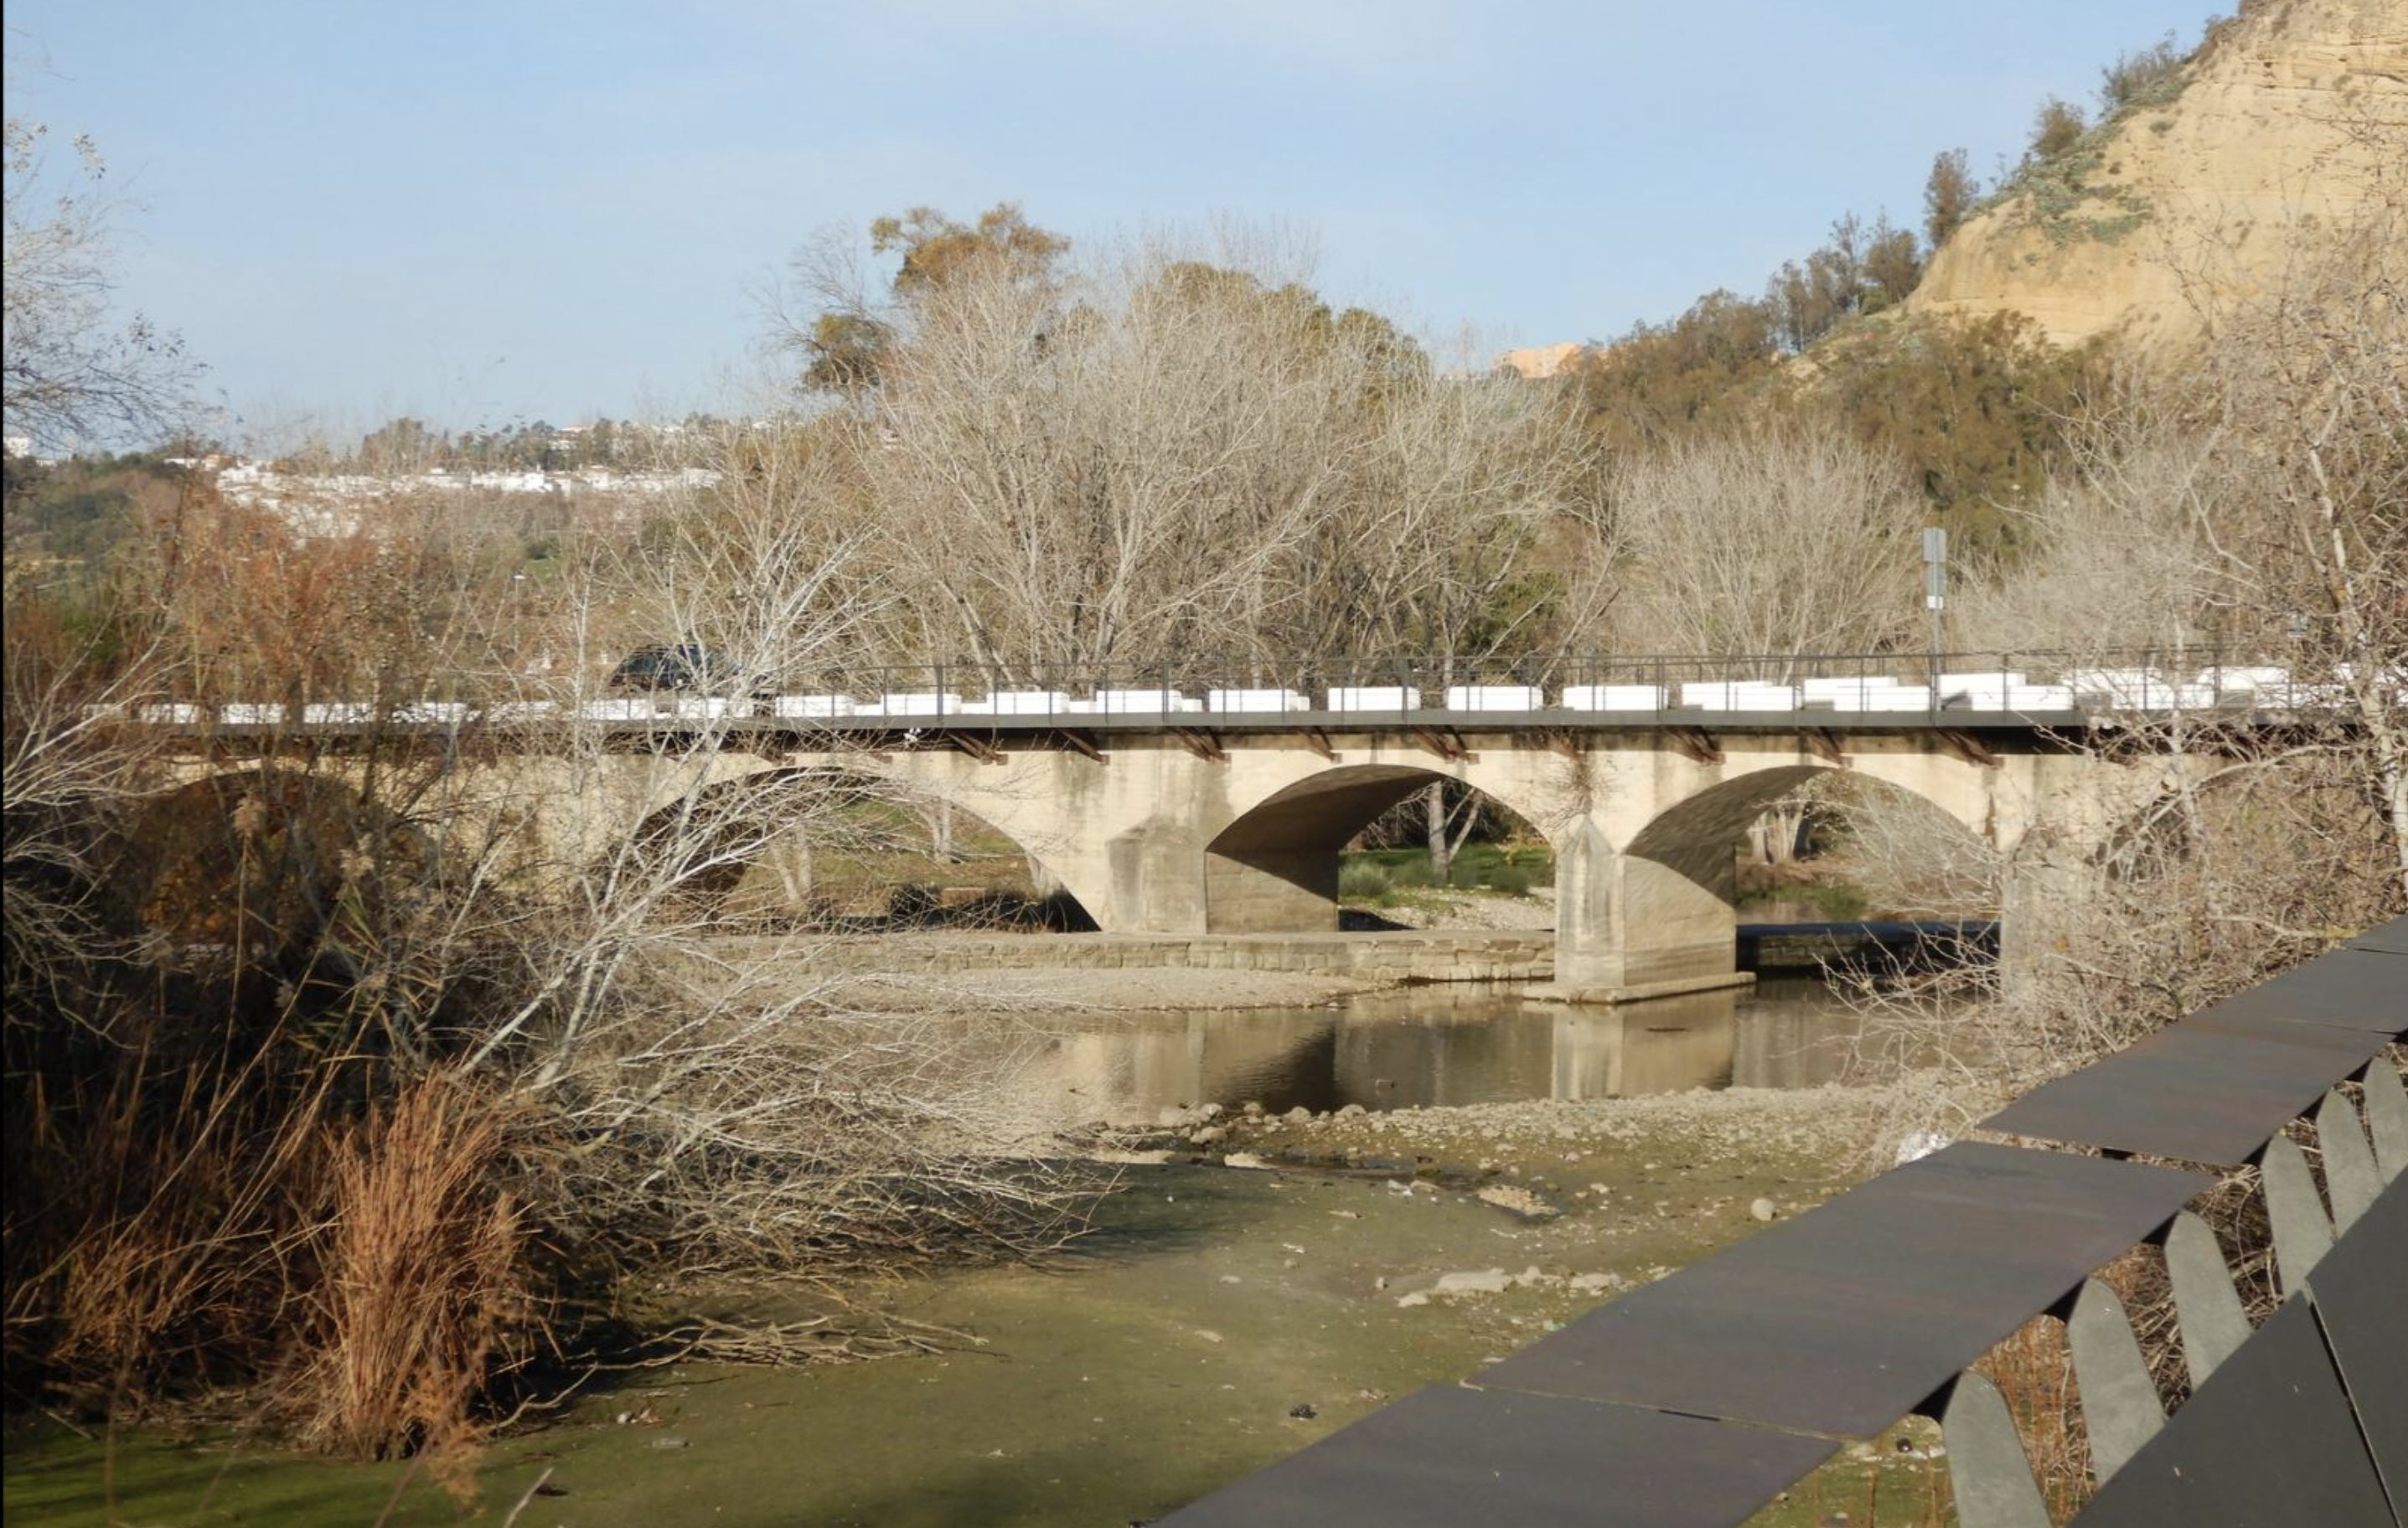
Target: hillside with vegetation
{"x":2197,"y":186}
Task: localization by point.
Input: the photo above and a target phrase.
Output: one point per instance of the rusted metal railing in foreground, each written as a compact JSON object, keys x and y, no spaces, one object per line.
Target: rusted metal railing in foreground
{"x":1697,"y":1399}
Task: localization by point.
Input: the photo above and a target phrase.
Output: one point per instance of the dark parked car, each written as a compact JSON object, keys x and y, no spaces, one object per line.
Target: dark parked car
{"x":682,"y":665}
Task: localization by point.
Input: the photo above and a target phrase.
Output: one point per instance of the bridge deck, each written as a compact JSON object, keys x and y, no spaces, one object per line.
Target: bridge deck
{"x":838,"y":729}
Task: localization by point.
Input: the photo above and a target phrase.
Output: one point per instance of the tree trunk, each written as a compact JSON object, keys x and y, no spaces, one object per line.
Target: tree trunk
{"x":794,"y":862}
{"x":1442,"y":850}
{"x":940,"y":833}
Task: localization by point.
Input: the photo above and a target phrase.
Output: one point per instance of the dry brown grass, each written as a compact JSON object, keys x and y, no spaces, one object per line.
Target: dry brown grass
{"x":422,"y":1278}
{"x":2034,"y":1371}
{"x":151,"y":1234}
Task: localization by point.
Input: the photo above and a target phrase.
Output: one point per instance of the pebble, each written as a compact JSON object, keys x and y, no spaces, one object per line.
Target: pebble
{"x":1519,"y":1201}
{"x":1762,"y":1209}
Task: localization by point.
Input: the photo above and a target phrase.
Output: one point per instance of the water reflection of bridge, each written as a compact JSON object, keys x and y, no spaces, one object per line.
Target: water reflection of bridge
{"x":1425,"y":1048}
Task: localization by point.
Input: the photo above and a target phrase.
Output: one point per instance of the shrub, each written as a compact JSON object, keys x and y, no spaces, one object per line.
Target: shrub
{"x":423,"y":1279}
{"x":2150,"y":76}
{"x":1512,"y":879}
{"x":1362,"y":881}
{"x":1414,"y":872}
{"x":2056,"y":127}
{"x":911,"y":903}
{"x":1463,"y":875}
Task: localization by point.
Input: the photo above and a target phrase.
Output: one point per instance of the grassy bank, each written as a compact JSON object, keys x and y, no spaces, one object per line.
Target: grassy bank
{"x":1393,"y":878}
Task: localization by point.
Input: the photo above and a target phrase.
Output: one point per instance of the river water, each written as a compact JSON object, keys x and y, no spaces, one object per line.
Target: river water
{"x":1445,"y":1045}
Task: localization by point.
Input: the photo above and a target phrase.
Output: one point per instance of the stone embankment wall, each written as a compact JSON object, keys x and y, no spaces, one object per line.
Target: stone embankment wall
{"x":1420,"y":956}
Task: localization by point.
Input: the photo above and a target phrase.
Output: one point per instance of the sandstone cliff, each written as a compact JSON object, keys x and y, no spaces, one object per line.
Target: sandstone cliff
{"x":2293,"y":118}
{"x":1540,"y":361}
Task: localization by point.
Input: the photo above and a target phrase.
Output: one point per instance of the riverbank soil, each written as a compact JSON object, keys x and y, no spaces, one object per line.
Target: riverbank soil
{"x":1219,"y":1318}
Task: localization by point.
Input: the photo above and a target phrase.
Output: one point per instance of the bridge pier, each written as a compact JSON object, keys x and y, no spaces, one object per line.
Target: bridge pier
{"x":2042,"y":890}
{"x":1630,"y":926}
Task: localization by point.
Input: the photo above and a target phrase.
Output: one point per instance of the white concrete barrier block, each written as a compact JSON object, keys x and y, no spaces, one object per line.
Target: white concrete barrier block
{"x":2245,"y":680}
{"x":2039,"y":698}
{"x":1738,"y":696}
{"x":1613,"y":697}
{"x":245,"y":714}
{"x":2120,"y":686}
{"x":1900,"y":697}
{"x":350,"y":713}
{"x":1144,"y":703}
{"x":1846,"y":689}
{"x":171,"y":714}
{"x":927,"y":703}
{"x":1374,"y":698}
{"x":813,"y":707}
{"x":1255,"y":700}
{"x":1027,"y":702}
{"x":522,"y":710}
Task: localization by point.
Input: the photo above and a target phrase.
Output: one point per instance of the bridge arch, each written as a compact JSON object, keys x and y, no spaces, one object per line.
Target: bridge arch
{"x":1662,"y":907}
{"x":697,"y":843}
{"x":1273,"y":868}
{"x":263,"y":873}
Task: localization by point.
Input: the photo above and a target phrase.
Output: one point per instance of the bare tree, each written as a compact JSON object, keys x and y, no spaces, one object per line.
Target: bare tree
{"x":1777,"y":541}
{"x":2247,"y":508}
{"x":2309,"y":386}
{"x":2117,"y":554}
{"x":69,"y":368}
{"x":1166,"y":454}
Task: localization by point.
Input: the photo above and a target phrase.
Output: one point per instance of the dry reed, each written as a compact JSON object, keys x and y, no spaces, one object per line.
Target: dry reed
{"x":422,"y":1280}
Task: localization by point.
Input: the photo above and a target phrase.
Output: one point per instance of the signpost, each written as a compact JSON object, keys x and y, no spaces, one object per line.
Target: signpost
{"x":1935,"y":592}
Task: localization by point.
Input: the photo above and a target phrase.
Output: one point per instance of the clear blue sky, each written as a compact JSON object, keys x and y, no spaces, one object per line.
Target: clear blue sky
{"x":478,"y":212}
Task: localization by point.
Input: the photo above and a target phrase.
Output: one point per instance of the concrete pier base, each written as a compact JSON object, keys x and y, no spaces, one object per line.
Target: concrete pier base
{"x":1553,"y":991}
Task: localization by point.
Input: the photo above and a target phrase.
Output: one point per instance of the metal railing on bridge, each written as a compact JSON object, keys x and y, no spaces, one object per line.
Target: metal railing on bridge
{"x":1857,"y":690}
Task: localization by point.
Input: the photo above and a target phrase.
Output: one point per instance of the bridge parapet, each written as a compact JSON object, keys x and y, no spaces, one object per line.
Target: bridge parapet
{"x":1975,"y":691}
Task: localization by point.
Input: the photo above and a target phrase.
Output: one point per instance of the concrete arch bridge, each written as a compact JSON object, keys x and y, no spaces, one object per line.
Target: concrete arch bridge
{"x":1166,"y":825}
